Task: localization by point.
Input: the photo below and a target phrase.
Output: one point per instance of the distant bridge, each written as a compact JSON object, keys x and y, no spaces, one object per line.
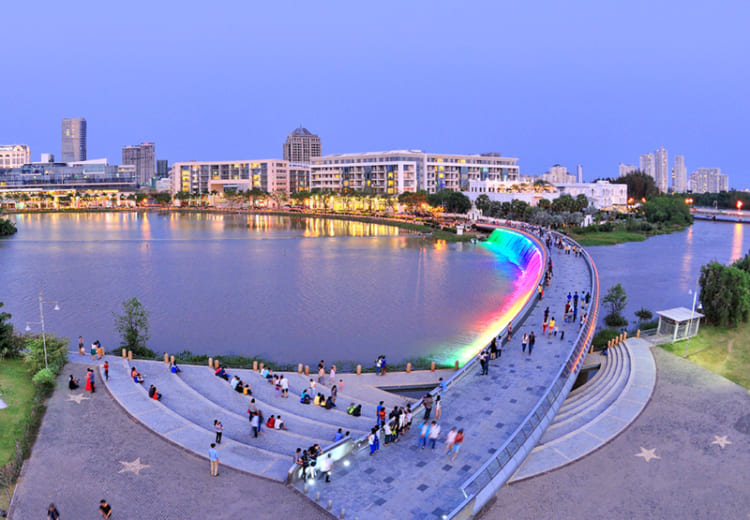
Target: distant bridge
{"x":721,"y":215}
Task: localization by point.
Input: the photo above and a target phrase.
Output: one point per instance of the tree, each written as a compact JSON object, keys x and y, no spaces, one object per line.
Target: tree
{"x":132,"y":325}
{"x":163,"y":198}
{"x":643,"y":314}
{"x":57,"y":352}
{"x":725,"y":294}
{"x":640,"y":185}
{"x":669,"y":210}
{"x":483,"y":203}
{"x":8,"y":341}
{"x":615,"y":300}
{"x":582,"y":202}
{"x":7,"y":227}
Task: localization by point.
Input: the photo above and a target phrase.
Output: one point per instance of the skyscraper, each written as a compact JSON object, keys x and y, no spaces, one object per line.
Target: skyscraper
{"x":625,"y":169}
{"x":647,"y":165}
{"x":679,"y":175}
{"x":661,"y":169}
{"x":301,"y":145}
{"x":162,"y":168}
{"x":143,"y":157}
{"x":73,"y":139}
{"x":579,"y":174}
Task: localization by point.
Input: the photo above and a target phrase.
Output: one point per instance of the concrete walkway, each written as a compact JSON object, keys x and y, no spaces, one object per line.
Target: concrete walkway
{"x":403,"y":481}
{"x":686,"y":456}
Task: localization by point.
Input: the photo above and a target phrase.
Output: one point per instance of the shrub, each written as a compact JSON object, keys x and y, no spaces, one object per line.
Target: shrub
{"x":602,"y":337}
{"x":45,"y":377}
{"x":615,"y":320}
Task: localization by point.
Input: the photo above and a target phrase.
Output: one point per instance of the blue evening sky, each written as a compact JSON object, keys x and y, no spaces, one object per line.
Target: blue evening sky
{"x":589,"y":82}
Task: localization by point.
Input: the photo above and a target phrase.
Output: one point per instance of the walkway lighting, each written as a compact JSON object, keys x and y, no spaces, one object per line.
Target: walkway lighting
{"x":41,"y":321}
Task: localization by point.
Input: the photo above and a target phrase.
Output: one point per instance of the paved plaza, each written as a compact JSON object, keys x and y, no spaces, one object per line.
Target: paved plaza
{"x":687,"y":456}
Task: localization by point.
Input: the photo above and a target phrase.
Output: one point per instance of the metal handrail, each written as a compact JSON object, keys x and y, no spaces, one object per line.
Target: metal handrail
{"x":511,"y":447}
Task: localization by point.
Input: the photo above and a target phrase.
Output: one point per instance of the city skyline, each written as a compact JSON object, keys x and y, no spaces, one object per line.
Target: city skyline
{"x":613,"y":95}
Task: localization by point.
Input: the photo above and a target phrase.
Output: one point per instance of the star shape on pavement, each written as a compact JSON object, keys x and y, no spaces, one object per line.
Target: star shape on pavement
{"x":647,"y":455}
{"x":77,"y":398}
{"x":721,"y":441}
{"x":134,"y":467}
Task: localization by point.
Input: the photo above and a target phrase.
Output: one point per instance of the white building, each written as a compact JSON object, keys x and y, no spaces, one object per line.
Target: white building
{"x":14,"y":155}
{"x":646,"y":165}
{"x":269,"y":175}
{"x":559,"y":175}
{"x":679,"y":175}
{"x":400,"y":171}
{"x":601,"y":194}
{"x":708,"y":180}
{"x":627,"y":169}
{"x":661,"y":169}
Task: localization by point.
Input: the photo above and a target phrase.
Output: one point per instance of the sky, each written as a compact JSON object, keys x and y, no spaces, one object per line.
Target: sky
{"x":580,"y":82}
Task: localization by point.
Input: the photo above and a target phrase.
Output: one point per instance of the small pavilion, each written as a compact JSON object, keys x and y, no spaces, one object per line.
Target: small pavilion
{"x":678,"y":323}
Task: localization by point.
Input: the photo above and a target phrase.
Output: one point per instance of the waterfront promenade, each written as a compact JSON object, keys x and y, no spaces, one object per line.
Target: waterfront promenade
{"x":399,"y":481}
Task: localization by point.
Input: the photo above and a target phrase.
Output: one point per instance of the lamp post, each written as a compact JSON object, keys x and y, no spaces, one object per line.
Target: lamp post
{"x":41,"y":321}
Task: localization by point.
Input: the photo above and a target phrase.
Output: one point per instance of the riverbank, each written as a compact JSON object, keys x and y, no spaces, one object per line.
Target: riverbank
{"x":412,"y":225}
{"x":620,"y":234}
{"x":721,"y":350}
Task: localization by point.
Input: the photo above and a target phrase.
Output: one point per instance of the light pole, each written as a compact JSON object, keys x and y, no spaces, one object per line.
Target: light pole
{"x":41,"y":321}
{"x":692,"y":312}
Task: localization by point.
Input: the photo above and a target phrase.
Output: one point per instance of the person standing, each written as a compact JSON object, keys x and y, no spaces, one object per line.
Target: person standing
{"x":427,"y":402}
{"x":106,"y":370}
{"x":449,"y":440}
{"x":93,"y":351}
{"x":81,"y":351}
{"x":255,"y":423}
{"x":326,"y":465}
{"x":434,"y":433}
{"x":219,"y":429}
{"x":284,"y":386}
{"x":438,"y":407}
{"x":53,"y":513}
{"x":524,"y":342}
{"x":92,"y":381}
{"x":551,"y":326}
{"x":532,"y":340}
{"x":105,"y":509}
{"x":213,"y":457}
{"x":457,"y":443}
{"x":424,"y":433}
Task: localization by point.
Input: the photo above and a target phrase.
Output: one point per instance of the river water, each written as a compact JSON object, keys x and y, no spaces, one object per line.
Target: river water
{"x":290,"y":289}
{"x":660,"y":272}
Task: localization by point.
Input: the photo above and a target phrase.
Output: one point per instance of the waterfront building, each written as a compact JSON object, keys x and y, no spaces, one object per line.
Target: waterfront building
{"x":579,"y":174}
{"x":627,"y":169}
{"x":162,"y":168}
{"x":661,"y":169}
{"x":646,"y":165}
{"x":679,"y":175}
{"x":14,"y":155}
{"x":269,"y":175}
{"x":47,"y":158}
{"x":601,"y":194}
{"x":62,"y":178}
{"x":143,"y":157}
{"x":301,"y":146}
{"x":559,"y":175}
{"x":73,"y":139}
{"x":708,"y":180}
{"x":399,"y":171}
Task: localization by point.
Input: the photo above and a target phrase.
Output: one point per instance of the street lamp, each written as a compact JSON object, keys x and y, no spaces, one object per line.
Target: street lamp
{"x":41,"y":321}
{"x":692,"y":313}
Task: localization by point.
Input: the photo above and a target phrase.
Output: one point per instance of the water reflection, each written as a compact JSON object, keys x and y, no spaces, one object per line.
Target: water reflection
{"x":736,"y":243}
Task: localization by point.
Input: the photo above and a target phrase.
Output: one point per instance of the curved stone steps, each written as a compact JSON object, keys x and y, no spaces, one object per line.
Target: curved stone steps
{"x":597,"y":400}
{"x":183,"y":400}
{"x":265,"y":392}
{"x":220,"y":392}
{"x":599,"y":381}
{"x":133,"y":398}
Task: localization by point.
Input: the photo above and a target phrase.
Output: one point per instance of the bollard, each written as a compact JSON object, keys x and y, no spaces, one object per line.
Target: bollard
{"x":625,"y":335}
{"x":166,"y":358}
{"x":211,"y":363}
{"x":317,"y":496}
{"x":130,"y":355}
{"x":408,"y":368}
{"x":255,"y":366}
{"x":591,"y":348}
{"x":621,"y":338}
{"x":330,"y":505}
{"x":304,"y":488}
{"x":307,"y":370}
{"x":455,"y":365}
{"x":359,"y":370}
{"x":343,"y":513}
{"x":638,"y":333}
{"x":124,"y":353}
{"x":216,"y":364}
{"x":432,"y":366}
{"x":299,"y":368}
{"x":171,"y":359}
{"x":261,"y":367}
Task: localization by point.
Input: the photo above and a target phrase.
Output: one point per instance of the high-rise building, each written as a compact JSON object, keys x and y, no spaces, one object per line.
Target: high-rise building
{"x":579,"y":172}
{"x":559,"y":175}
{"x":143,"y":157}
{"x":627,"y":169}
{"x":679,"y":175}
{"x":301,"y":146}
{"x":708,"y":180}
{"x":162,"y":168}
{"x":647,"y":165}
{"x":661,"y":169}
{"x":73,"y":139}
{"x":14,"y":155}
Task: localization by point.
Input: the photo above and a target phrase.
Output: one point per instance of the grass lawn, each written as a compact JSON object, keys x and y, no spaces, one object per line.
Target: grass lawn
{"x":604,"y":238}
{"x":17,"y":391}
{"x":720,"y":350}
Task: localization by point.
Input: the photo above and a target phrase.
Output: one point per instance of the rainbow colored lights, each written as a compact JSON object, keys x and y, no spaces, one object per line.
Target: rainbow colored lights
{"x":527,"y":254}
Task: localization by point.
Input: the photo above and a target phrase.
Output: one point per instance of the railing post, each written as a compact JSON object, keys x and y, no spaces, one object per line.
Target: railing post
{"x":299,"y":368}
{"x":211,"y":362}
{"x":124,"y":353}
{"x":359,"y":370}
{"x":432,"y":366}
{"x":130,"y":355}
{"x":166,"y":358}
{"x":455,"y":365}
{"x":638,"y":333}
{"x":408,"y":368}
{"x":255,"y":366}
{"x":307,"y":370}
